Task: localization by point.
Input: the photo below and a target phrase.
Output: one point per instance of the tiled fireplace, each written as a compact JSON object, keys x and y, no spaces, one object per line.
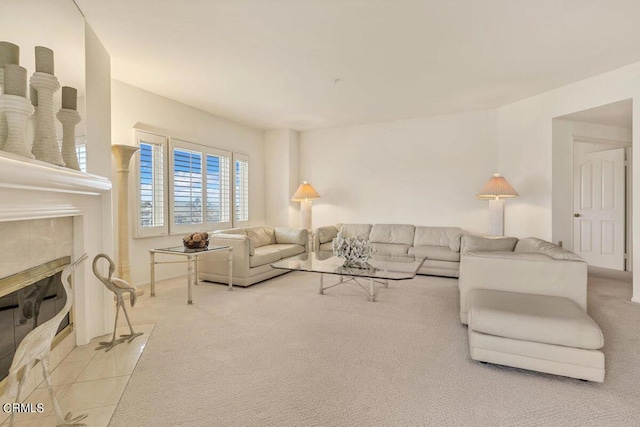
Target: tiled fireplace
{"x":49,"y":212}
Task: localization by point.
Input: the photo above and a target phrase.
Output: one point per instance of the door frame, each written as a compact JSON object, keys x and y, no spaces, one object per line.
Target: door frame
{"x":628,"y":236}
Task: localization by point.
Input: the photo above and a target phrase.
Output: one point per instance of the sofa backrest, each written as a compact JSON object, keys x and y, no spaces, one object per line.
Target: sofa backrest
{"x":399,"y":234}
{"x":539,"y":246}
{"x":239,"y":231}
{"x":488,"y":244}
{"x":261,"y":235}
{"x":355,"y":230}
{"x":439,"y":236}
{"x":295,"y":236}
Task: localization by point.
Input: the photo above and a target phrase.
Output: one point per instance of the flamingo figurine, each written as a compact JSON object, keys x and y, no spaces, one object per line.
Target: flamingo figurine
{"x":37,"y":346}
{"x":118,"y":287}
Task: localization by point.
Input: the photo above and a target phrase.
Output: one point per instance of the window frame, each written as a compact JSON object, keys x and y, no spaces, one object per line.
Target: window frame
{"x":81,"y":152}
{"x":236,"y":222}
{"x":159,"y":230}
{"x":204,"y":151}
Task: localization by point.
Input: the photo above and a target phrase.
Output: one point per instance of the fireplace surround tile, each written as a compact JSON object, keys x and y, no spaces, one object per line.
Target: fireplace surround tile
{"x":27,"y":244}
{"x":14,"y":247}
{"x":42,"y":235}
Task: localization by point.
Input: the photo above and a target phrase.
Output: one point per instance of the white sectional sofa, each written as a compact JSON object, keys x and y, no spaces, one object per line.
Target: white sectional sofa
{"x":254,"y":248}
{"x":525,"y":303}
{"x":528,"y":265}
{"x":440,"y":245}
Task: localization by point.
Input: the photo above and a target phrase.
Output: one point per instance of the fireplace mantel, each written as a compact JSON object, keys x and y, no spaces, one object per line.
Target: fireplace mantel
{"x":20,"y":172}
{"x":32,"y":189}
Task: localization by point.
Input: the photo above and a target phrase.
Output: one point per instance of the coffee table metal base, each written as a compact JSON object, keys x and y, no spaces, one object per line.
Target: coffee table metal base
{"x":192,"y":266}
{"x":371,"y":296}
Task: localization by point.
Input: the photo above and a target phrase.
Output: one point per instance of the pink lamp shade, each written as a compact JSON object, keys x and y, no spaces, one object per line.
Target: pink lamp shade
{"x":497,"y":188}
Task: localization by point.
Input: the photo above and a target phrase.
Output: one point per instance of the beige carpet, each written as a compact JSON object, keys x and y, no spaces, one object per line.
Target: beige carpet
{"x":279,"y":354}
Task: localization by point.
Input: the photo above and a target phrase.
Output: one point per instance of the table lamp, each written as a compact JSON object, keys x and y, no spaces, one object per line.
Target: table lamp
{"x":305,"y":194}
{"x":496,"y":190}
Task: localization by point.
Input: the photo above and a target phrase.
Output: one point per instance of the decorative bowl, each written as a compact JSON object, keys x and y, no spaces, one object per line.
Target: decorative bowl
{"x":196,"y":241}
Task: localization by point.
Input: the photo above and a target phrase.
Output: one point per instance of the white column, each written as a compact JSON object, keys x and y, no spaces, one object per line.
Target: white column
{"x":123,"y":155}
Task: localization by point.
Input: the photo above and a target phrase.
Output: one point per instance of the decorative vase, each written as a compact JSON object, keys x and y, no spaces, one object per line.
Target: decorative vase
{"x":69,"y":119}
{"x":45,"y":145}
{"x":355,"y":251}
{"x":17,"y":110}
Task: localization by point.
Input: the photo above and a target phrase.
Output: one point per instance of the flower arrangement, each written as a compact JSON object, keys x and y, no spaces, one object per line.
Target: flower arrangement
{"x":355,"y":251}
{"x":196,"y":241}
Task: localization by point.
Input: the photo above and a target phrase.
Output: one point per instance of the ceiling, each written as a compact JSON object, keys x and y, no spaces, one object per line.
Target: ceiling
{"x":306,"y":64}
{"x":617,"y":114}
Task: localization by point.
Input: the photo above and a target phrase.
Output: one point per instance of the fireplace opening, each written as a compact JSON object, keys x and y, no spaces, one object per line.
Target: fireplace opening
{"x":28,"y":299}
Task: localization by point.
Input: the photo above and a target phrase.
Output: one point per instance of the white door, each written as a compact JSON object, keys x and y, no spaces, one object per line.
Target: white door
{"x":599,"y":208}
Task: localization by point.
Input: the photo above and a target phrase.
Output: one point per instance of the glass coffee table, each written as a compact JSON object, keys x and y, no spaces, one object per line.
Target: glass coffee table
{"x":385,"y":268}
{"x":192,"y":264}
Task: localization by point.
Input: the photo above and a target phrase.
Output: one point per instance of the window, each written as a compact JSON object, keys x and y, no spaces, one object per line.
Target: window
{"x":151,"y":218}
{"x":81,"y":153}
{"x":200,"y":182}
{"x":241,"y":192}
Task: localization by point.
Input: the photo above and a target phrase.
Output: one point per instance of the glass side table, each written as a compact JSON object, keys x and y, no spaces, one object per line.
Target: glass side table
{"x":192,"y":264}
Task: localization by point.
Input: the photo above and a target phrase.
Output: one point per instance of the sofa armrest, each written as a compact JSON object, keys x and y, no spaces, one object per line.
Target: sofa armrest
{"x":241,"y":252}
{"x":324,"y":235}
{"x":296,"y":236}
{"x":524,"y":273}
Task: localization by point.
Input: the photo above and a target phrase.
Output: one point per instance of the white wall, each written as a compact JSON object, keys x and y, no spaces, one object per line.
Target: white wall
{"x":281,"y":177}
{"x":97,"y":223}
{"x":134,"y":107}
{"x":525,"y":147}
{"x":421,"y":171}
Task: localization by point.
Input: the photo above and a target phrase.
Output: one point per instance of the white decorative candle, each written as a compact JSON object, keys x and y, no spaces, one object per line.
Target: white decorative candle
{"x":45,"y":146}
{"x":9,"y":54}
{"x":69,"y":98}
{"x":69,"y":119}
{"x":44,"y":60}
{"x":15,"y":80}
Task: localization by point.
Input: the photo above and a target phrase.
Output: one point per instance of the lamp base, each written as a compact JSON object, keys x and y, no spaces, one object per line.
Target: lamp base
{"x":496,"y":217}
{"x":305,"y":214}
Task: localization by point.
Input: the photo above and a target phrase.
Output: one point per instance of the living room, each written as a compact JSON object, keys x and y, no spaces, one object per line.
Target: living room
{"x":396,"y":113}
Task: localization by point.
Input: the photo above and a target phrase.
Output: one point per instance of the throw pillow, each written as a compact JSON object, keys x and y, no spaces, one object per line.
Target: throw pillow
{"x":261,"y":235}
{"x":488,"y":244}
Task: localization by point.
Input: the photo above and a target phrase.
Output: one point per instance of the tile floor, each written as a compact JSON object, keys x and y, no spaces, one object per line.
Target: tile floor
{"x":88,"y":381}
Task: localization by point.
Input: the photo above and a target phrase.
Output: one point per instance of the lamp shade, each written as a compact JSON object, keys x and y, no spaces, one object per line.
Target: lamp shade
{"x":497,"y":188}
{"x":305,"y":192}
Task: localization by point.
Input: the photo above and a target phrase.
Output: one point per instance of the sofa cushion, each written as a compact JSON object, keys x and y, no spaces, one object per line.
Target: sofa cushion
{"x":488,"y":244}
{"x":261,"y":235}
{"x":440,"y":253}
{"x":327,"y":247}
{"x":539,"y":318}
{"x":535,"y":245}
{"x":297,"y":236}
{"x":265,"y":255}
{"x":400,"y":234}
{"x":288,"y":249}
{"x":355,"y":230}
{"x":390,"y":249}
{"x":439,"y":236}
{"x":327,"y":234}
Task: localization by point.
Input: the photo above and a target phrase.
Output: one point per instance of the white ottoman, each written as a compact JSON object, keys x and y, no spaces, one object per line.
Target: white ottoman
{"x":537,"y":332}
